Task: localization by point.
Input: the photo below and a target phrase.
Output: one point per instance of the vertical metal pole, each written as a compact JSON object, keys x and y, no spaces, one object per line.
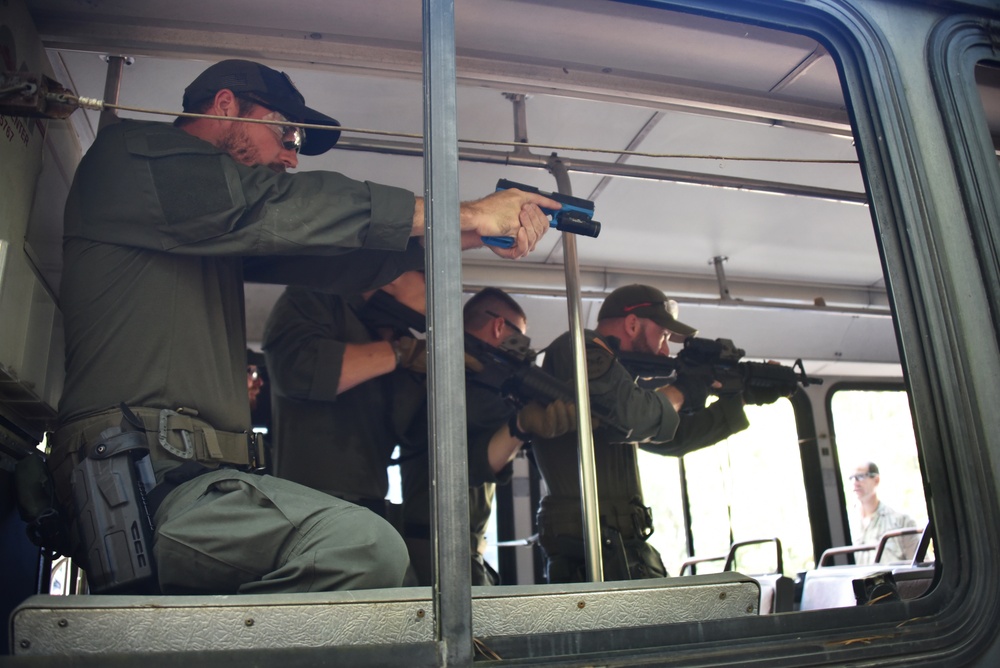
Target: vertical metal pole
{"x":686,"y":510}
{"x":446,"y":377}
{"x":112,"y":86}
{"x":588,"y":466}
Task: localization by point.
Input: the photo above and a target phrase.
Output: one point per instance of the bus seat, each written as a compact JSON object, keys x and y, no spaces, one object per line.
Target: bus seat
{"x":777,"y":591}
{"x":689,"y":564}
{"x":833,"y":586}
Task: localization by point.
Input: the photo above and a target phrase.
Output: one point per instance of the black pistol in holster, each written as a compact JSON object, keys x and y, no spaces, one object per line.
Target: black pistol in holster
{"x":113,"y":521}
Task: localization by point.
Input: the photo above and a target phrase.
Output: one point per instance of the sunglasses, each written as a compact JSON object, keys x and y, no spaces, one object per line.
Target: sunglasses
{"x":506,"y":321}
{"x":291,"y":137}
{"x":860,"y":476}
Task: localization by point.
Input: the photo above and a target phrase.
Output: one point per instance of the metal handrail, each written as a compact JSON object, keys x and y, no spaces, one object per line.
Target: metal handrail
{"x":731,"y":557}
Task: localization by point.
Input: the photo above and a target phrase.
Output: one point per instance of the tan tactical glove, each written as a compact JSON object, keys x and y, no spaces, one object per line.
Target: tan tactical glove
{"x":549,"y":421}
{"x":472,"y":364}
{"x":411,"y":354}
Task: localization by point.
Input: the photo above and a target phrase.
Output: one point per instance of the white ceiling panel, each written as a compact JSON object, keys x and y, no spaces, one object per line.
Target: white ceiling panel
{"x":662,"y":82}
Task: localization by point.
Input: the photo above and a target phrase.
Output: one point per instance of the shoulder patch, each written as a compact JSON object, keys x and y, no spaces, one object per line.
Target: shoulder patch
{"x":599,"y":358}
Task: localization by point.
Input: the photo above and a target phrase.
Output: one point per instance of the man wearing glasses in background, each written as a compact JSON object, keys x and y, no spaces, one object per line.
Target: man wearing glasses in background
{"x":874,"y":518}
{"x":163,"y":225}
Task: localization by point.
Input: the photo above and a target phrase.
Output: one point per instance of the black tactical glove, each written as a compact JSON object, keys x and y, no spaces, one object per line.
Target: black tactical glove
{"x":695,"y":390}
{"x":411,"y":353}
{"x":759,"y":396}
{"x":549,"y":421}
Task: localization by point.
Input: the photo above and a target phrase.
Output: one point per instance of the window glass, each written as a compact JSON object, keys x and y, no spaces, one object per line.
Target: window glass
{"x":747,"y":487}
{"x":876,"y":426}
{"x":661,"y":490}
{"x":988,"y":85}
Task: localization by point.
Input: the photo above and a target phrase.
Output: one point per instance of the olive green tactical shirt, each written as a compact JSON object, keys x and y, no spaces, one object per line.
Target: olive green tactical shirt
{"x":655,"y":425}
{"x":162,"y":229}
{"x":338,"y":444}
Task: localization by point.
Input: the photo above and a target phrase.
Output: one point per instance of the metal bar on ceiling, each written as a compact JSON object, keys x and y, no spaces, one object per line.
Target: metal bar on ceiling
{"x":525,"y":159}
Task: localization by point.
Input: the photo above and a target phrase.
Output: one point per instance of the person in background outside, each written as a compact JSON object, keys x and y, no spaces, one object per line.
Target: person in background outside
{"x":873,"y":518}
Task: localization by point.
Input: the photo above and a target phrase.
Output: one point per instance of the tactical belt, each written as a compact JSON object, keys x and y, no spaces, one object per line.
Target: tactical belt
{"x":175,"y":435}
{"x":562,"y":516}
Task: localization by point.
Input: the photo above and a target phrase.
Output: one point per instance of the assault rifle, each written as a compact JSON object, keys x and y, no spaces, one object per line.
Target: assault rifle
{"x":509,"y":369}
{"x":716,"y":361}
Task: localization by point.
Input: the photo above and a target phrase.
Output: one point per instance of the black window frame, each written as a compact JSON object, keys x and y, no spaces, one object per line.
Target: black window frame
{"x":947,"y":359}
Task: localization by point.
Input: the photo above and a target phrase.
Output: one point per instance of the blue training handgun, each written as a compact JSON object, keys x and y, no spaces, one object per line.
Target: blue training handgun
{"x":576,"y":214}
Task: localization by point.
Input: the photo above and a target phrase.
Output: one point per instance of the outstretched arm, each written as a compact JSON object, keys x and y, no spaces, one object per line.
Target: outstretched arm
{"x":506,"y":213}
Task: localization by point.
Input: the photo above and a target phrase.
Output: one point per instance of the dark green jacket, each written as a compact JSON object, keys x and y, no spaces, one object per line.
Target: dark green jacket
{"x":655,"y":425}
{"x":342,"y":444}
{"x":162,"y":229}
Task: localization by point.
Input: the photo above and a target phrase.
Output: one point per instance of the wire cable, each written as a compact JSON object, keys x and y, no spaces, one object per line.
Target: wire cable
{"x":100,"y":105}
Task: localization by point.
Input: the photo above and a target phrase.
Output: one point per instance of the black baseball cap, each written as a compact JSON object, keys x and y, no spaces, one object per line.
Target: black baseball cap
{"x":645,"y":301}
{"x":273,"y":89}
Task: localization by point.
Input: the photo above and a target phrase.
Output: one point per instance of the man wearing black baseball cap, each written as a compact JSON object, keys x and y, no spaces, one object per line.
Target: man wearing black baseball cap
{"x":163,"y":224}
{"x":633,"y":318}
{"x":646,"y":302}
{"x":269,"y":88}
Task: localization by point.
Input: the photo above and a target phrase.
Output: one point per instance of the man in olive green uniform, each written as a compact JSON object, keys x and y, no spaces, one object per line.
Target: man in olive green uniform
{"x":163,"y":224}
{"x":342,"y":394}
{"x":635,"y":318}
{"x":496,"y":432}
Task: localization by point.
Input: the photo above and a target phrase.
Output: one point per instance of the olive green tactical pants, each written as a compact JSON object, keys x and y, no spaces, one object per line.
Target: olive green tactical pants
{"x":483,"y":575}
{"x":232,"y":532}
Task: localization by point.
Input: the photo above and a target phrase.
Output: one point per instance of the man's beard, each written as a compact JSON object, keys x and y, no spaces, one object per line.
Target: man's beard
{"x":238,"y":144}
{"x":641,"y":343}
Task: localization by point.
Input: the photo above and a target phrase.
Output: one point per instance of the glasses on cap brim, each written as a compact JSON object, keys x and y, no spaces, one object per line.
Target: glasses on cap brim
{"x":291,"y":137}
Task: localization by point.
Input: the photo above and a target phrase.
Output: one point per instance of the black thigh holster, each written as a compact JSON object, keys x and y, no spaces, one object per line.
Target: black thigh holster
{"x":113,"y":521}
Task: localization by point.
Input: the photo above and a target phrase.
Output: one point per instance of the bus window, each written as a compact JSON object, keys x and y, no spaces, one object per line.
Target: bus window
{"x":661,"y":490}
{"x":876,"y":426}
{"x":988,"y":86}
{"x":747,"y":487}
